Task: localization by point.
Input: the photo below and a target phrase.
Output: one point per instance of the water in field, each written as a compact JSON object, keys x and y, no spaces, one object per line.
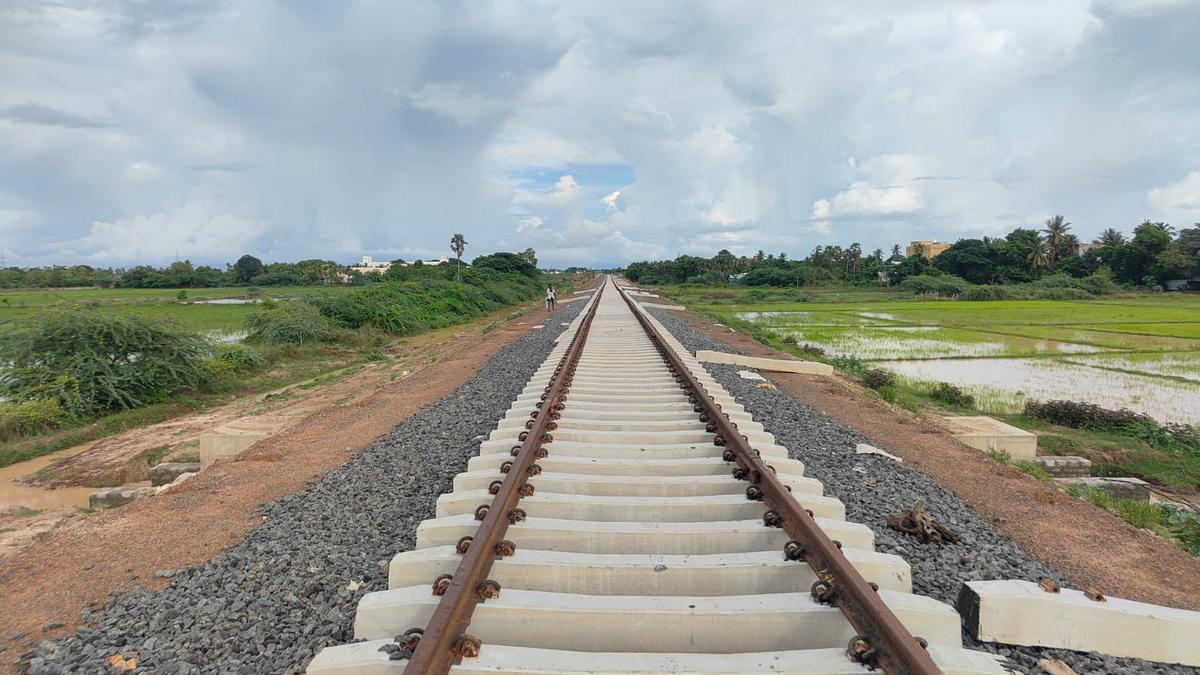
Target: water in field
{"x":987,"y":348}
{"x":1004,"y":385}
{"x":924,"y":342}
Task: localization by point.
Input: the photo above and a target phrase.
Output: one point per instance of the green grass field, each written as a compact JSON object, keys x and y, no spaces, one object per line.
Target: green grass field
{"x":194,"y":312}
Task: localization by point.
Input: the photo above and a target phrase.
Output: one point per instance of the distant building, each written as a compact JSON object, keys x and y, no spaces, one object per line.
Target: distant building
{"x":1083,"y":249}
{"x":369,"y":266}
{"x":928,"y":248}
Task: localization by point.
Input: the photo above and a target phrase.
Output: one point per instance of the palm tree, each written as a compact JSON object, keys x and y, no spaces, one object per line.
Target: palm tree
{"x":896,"y":251}
{"x":1110,"y":237}
{"x":458,"y":244}
{"x":1037,"y":256}
{"x":1056,"y":232}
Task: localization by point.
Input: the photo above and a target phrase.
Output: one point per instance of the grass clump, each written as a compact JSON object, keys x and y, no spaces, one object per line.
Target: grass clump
{"x":1181,"y":527}
{"x":290,"y":323}
{"x":26,"y":418}
{"x":949,"y":394}
{"x":878,"y":378}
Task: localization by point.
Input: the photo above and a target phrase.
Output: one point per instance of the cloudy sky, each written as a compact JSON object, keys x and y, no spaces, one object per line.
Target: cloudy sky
{"x":594,"y":132}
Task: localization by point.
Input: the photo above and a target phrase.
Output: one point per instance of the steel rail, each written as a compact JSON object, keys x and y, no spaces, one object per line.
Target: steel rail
{"x":882,"y":640}
{"x":436,"y":647}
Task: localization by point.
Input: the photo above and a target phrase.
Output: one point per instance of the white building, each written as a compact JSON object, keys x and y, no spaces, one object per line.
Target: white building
{"x":369,"y":266}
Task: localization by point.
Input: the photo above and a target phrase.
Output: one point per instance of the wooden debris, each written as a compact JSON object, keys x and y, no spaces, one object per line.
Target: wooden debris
{"x":916,"y":522}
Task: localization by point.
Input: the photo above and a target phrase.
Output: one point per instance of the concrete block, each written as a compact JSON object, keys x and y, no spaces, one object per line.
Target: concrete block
{"x":1121,"y":488}
{"x":222,"y":445}
{"x":987,"y":434}
{"x":1021,"y":613}
{"x":1066,"y":466}
{"x":864,"y":449}
{"x":167,"y":472}
{"x":777,"y":365}
{"x":677,"y":308}
{"x":116,"y":496}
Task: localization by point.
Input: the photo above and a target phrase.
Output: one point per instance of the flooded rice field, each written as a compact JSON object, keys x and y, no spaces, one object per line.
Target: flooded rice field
{"x":1009,"y":353}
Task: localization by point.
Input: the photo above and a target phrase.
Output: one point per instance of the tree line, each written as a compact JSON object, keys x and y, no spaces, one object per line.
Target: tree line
{"x":1154,"y":254}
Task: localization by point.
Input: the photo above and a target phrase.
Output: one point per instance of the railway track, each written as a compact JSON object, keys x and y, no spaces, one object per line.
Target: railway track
{"x":627,"y":515}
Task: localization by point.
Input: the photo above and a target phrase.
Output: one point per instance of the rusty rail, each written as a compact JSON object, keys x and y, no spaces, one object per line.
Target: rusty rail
{"x":436,"y":647}
{"x":882,"y":641}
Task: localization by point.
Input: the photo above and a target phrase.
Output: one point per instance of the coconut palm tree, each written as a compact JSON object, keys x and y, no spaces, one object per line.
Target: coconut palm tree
{"x":1110,"y":237}
{"x":896,"y":251}
{"x":1037,"y":257}
{"x":458,"y":244}
{"x":1056,"y":233}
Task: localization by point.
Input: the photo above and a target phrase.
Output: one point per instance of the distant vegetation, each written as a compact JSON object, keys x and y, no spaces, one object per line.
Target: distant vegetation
{"x":1025,"y":264}
{"x":70,"y":364}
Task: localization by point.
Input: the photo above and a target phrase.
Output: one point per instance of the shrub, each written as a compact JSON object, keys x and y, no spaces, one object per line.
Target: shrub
{"x":877,"y":378}
{"x":769,"y":276}
{"x":244,"y":358}
{"x":850,"y":364}
{"x":26,"y":418}
{"x":983,"y":293}
{"x":1035,"y":470}
{"x":90,"y":362}
{"x":945,"y":285}
{"x":790,"y":340}
{"x":951,"y":395}
{"x":887,"y":392}
{"x":507,"y":262}
{"x":1079,"y":415}
{"x":812,"y":349}
{"x":289,"y":322}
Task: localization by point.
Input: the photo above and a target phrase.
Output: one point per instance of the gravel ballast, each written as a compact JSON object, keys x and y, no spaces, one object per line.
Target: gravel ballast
{"x":874,"y":487}
{"x":270,"y":603}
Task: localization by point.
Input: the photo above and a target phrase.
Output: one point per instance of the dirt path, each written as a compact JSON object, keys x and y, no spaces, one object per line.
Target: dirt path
{"x":85,"y":560}
{"x":1091,"y":546}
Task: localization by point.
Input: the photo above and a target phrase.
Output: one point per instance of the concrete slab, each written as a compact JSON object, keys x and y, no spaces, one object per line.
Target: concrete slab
{"x":604,"y":623}
{"x":658,"y":509}
{"x":864,"y":449}
{"x":725,"y":536}
{"x":677,"y":308}
{"x":223,"y":445}
{"x":1021,"y":613}
{"x":365,"y":658}
{"x":777,"y":365}
{"x":1121,"y":488}
{"x":987,"y":434}
{"x":722,"y":574}
{"x":166,"y":472}
{"x":1065,"y":466}
{"x":106,"y":498}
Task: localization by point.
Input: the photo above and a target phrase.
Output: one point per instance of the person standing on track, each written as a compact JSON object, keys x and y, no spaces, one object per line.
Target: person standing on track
{"x":551,"y":299}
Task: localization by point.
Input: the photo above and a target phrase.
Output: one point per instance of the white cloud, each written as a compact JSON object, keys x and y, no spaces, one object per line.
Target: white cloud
{"x":198,"y":229}
{"x":1179,"y":201}
{"x":453,"y":100}
{"x":610,"y":200}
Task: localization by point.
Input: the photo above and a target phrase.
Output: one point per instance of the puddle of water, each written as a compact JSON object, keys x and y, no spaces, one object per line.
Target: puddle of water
{"x":1182,"y":365}
{"x":225,"y":301}
{"x":1004,"y":385}
{"x":14,"y":493}
{"x":224,"y":337}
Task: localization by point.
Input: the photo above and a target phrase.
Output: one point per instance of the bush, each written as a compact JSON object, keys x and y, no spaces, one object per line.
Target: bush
{"x":877,"y":378}
{"x":945,"y":285}
{"x":289,"y":322}
{"x":850,"y":364}
{"x":812,"y":350}
{"x":243,"y":358}
{"x":26,"y":418}
{"x":984,"y":293}
{"x":951,"y":395}
{"x":887,"y":392}
{"x":1079,"y":415}
{"x":90,"y":362}
{"x":769,"y":276}
{"x":507,"y":262}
